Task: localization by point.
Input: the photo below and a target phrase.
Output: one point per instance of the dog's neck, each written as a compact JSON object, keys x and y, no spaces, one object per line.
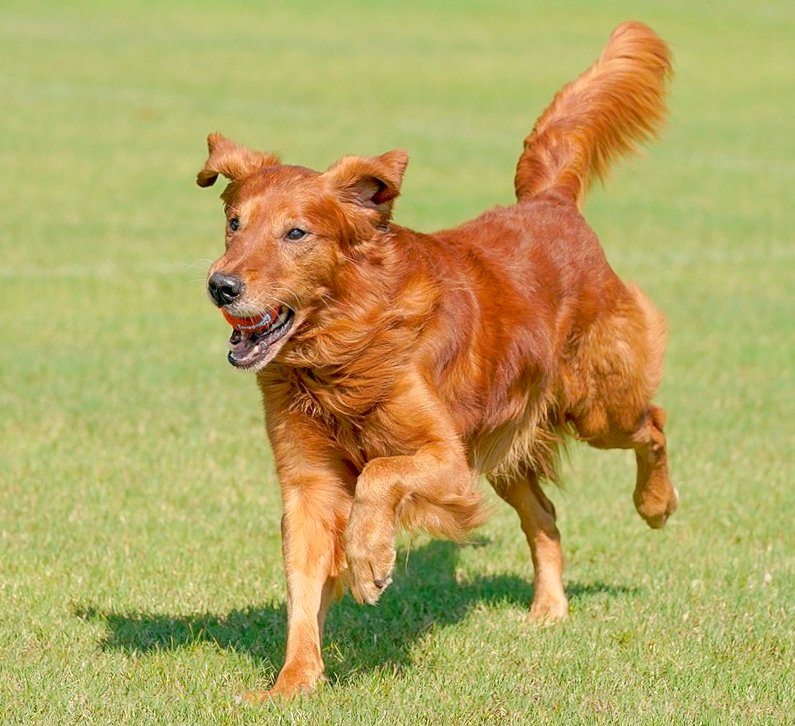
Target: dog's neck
{"x":353,"y":348}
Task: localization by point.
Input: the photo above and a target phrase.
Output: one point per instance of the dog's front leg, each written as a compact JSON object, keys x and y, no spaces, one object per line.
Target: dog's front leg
{"x":431,"y":489}
{"x":315,"y":512}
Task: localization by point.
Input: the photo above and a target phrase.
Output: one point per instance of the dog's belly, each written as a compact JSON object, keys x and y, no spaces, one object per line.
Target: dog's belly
{"x":514,"y":447}
{"x":489,"y":448}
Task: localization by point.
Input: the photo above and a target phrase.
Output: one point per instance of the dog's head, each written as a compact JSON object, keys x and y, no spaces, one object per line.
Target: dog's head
{"x":289,"y":230}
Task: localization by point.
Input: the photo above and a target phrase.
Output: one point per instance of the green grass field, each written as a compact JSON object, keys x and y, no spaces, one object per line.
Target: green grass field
{"x":140,"y":566}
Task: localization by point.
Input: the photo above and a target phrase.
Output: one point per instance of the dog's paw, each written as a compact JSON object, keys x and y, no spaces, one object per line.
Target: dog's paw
{"x":370,"y":553}
{"x":656,"y":512}
{"x":370,"y":572}
{"x":252,"y":698}
{"x":548,"y":610}
{"x":290,"y":684}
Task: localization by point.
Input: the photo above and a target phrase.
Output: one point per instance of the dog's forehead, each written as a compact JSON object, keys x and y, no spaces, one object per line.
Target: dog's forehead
{"x":279,"y":179}
{"x":278,"y":193}
{"x":280,"y":185}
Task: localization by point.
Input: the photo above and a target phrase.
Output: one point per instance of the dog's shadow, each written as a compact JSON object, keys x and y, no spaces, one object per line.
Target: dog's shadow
{"x":357,"y":638}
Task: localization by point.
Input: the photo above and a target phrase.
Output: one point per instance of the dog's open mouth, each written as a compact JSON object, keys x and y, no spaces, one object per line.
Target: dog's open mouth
{"x":253,"y":340}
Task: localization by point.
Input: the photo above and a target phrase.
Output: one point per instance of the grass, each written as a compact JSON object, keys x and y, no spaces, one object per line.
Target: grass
{"x":140,"y":570}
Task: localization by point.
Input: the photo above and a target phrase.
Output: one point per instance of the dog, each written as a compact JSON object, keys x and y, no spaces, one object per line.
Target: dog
{"x":398,"y":367}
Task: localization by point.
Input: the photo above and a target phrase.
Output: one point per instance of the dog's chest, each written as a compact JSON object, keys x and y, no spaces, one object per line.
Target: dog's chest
{"x":349,"y":414}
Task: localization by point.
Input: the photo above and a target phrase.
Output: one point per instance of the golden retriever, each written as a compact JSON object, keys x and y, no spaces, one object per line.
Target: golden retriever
{"x":397,"y":367}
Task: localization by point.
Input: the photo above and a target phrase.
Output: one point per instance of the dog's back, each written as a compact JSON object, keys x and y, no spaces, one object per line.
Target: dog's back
{"x":532,"y":297}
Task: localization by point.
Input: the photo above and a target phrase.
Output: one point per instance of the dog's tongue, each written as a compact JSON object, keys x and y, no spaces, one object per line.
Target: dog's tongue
{"x":252,"y":325}
{"x":242,"y":347}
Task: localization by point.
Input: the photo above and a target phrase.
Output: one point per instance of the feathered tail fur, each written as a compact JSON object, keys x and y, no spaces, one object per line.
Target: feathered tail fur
{"x":601,"y":116}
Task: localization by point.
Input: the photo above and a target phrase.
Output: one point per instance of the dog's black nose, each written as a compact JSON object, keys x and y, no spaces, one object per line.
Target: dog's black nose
{"x":224,"y":288}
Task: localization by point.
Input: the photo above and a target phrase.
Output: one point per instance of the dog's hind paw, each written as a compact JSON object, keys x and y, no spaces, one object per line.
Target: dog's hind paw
{"x":656,"y":512}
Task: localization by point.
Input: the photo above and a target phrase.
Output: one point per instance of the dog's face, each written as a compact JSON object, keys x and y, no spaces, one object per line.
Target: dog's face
{"x":289,"y":230}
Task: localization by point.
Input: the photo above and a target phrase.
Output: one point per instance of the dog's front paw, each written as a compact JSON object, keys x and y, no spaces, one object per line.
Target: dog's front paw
{"x":370,"y":552}
{"x":292,"y":682}
{"x":548,"y":608}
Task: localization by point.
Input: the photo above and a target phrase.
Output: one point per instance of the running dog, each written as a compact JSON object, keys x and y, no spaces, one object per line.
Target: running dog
{"x":397,"y":367}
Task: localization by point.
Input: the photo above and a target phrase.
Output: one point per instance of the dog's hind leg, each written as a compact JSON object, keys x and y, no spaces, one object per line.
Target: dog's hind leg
{"x":622,"y":363}
{"x":655,"y":497}
{"x":537,"y":516}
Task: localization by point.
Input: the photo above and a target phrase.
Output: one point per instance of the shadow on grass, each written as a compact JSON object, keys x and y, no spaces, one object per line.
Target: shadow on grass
{"x":357,"y":638}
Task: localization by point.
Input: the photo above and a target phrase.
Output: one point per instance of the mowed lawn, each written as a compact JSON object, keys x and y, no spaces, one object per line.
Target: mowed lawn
{"x":140,"y":564}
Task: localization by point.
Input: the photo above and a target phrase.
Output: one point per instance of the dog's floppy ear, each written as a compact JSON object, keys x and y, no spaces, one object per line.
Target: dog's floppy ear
{"x":235,"y":162}
{"x":372,"y":182}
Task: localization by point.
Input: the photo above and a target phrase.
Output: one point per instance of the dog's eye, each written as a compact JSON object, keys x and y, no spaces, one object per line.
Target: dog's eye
{"x":295,"y":234}
{"x":234,"y":224}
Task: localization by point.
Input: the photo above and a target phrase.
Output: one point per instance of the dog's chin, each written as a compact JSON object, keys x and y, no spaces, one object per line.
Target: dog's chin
{"x":252,"y":350}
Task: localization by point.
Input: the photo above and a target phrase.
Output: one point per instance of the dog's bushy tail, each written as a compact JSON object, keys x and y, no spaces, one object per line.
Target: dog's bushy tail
{"x":601,"y":116}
